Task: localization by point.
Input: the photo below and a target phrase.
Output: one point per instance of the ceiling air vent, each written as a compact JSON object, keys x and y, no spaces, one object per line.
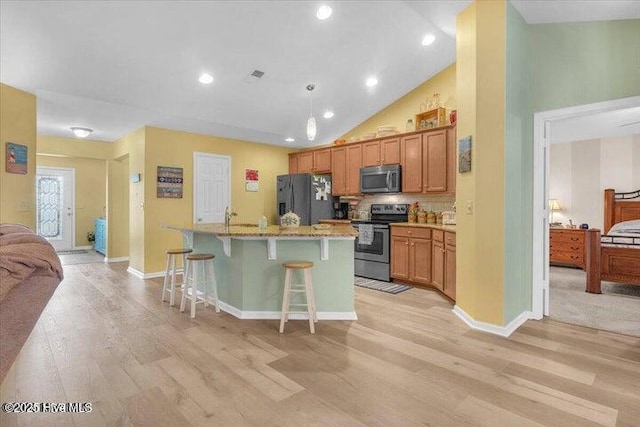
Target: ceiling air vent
{"x":254,"y":76}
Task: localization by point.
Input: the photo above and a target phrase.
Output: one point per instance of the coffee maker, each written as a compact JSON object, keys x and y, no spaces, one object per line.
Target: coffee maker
{"x":340,"y":210}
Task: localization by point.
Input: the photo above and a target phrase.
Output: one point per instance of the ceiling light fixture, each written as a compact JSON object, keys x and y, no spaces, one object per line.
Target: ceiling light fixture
{"x":323,"y":12}
{"x":371,"y":82}
{"x":328,"y":114}
{"x":81,"y":132}
{"x":311,"y":123}
{"x":428,"y":39}
{"x":205,"y":78}
{"x":289,"y":139}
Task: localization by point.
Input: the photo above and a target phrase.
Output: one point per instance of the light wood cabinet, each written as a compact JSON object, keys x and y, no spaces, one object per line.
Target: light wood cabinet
{"x":399,"y":257}
{"x":293,"y":163}
{"x":411,"y":254}
{"x":411,"y":161}
{"x":382,"y":152}
{"x":450,"y":266}
{"x":428,"y":162}
{"x":305,"y":162}
{"x":443,"y":258}
{"x":322,"y":161}
{"x":354,"y":163}
{"x":434,"y":162}
{"x":567,"y":247}
{"x":339,"y":171}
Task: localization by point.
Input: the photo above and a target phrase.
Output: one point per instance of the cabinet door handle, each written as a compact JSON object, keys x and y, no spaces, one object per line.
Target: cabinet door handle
{"x":413,"y":244}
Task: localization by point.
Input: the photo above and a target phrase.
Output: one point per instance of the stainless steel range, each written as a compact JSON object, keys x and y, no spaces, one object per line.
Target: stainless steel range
{"x":373,"y":245}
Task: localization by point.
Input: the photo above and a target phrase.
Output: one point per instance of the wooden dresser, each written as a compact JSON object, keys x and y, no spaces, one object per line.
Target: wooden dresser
{"x":566,"y":247}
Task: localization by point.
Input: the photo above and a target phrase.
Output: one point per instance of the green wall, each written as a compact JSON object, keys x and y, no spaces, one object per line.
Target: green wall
{"x":551,"y":66}
{"x":518,"y":154}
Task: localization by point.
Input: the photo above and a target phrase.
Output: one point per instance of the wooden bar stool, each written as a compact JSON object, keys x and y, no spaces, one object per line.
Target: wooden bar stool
{"x":169,"y":286}
{"x":197,"y":284}
{"x":306,"y":287}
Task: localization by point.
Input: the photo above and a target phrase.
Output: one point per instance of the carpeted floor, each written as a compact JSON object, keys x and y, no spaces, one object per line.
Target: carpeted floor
{"x":617,"y":309}
{"x":391,"y":288}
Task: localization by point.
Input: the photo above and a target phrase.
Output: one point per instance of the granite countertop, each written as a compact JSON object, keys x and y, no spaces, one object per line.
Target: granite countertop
{"x":251,"y":230}
{"x":450,"y":228}
{"x":335,"y":221}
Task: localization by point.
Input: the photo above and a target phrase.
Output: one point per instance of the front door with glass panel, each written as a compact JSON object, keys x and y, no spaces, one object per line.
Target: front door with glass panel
{"x":54,"y":206}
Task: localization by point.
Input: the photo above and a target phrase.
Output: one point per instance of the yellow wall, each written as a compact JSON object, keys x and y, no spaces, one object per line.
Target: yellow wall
{"x":173,"y":148}
{"x":17,"y":125}
{"x":90,"y":194}
{"x":74,"y":147}
{"x":397,"y":113}
{"x":118,"y":208}
{"x":481,"y":56}
{"x":127,"y":231}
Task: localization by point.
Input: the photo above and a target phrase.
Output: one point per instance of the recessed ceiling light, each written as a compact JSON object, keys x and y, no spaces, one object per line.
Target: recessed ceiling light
{"x":205,"y":78}
{"x":428,"y":39}
{"x":289,"y":139}
{"x":81,"y":132}
{"x":328,"y":114}
{"x":372,"y":81}
{"x":323,"y":12}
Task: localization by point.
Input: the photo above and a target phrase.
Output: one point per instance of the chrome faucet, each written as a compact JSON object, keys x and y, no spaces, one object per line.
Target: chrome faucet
{"x":227,"y":216}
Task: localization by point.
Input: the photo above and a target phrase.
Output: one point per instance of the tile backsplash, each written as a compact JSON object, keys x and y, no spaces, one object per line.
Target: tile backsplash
{"x":436,"y":203}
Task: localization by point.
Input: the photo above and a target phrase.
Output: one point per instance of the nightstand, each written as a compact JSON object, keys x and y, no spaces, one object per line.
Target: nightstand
{"x":566,"y":246}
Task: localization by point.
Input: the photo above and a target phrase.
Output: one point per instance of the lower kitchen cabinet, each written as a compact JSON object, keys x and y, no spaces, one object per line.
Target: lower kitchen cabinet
{"x":410,"y":254}
{"x":424,"y":256}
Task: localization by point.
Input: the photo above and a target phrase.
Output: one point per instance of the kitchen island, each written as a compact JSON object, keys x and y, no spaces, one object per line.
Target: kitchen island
{"x":249,"y":270}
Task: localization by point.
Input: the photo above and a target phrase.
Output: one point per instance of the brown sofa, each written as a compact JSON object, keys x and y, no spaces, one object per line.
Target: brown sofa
{"x":30,"y":271}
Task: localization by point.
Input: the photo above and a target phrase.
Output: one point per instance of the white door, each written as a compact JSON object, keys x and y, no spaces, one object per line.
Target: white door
{"x":212,"y":187}
{"x":55,"y":206}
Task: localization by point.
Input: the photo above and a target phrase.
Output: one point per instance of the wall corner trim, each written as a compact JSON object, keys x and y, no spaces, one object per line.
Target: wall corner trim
{"x":118,"y":259}
{"x":140,"y":275}
{"x":503,"y":331}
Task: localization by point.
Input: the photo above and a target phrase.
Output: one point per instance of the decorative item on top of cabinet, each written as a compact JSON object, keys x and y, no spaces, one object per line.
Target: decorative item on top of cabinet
{"x":431,"y":119}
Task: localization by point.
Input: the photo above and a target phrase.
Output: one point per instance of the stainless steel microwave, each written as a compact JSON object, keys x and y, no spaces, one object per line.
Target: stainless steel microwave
{"x":380,"y":179}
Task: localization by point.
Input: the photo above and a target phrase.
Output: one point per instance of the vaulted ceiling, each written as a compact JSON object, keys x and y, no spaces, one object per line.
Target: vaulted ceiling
{"x":117,"y":66}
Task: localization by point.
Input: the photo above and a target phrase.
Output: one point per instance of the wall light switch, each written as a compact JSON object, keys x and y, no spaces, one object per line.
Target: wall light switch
{"x":469,"y":207}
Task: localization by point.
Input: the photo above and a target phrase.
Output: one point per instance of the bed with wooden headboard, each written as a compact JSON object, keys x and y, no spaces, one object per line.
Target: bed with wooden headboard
{"x":615,"y":255}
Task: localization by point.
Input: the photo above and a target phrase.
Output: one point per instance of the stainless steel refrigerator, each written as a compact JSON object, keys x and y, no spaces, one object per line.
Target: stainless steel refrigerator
{"x":308,"y":196}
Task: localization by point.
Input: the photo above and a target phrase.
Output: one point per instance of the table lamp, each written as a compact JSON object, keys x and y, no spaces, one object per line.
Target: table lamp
{"x":554,"y":206}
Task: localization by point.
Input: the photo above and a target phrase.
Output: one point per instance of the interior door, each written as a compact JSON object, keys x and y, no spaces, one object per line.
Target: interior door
{"x":212,"y":187}
{"x":55,"y":206}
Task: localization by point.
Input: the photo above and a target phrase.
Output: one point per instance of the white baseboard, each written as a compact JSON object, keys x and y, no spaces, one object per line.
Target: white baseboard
{"x":120,"y":259}
{"x":503,"y":331}
{"x":137,"y":273}
{"x":78,"y":248}
{"x":275,"y":315}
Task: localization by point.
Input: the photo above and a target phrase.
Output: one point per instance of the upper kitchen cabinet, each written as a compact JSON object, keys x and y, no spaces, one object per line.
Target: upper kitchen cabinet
{"x":322,"y":161}
{"x":354,"y":163}
{"x":305,"y":162}
{"x":411,"y":162}
{"x":293,"y":163}
{"x":339,"y":171}
{"x":428,"y":162}
{"x":434,"y":162}
{"x":381,"y":152}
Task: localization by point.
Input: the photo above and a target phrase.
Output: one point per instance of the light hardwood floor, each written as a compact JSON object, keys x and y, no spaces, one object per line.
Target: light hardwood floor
{"x":106,"y":338}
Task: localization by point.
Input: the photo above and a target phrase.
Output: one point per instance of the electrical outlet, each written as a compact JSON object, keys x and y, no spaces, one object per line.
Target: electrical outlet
{"x":469,"y":207}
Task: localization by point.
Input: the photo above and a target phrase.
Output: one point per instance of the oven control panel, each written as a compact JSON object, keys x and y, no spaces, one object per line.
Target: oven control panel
{"x":385,"y":209}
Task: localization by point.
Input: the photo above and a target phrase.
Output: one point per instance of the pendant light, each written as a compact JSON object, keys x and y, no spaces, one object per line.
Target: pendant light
{"x":311,"y":123}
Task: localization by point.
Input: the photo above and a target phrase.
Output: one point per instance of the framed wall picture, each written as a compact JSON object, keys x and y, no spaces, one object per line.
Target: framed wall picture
{"x":16,"y":158}
{"x":464,"y":154}
{"x":169,"y":182}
